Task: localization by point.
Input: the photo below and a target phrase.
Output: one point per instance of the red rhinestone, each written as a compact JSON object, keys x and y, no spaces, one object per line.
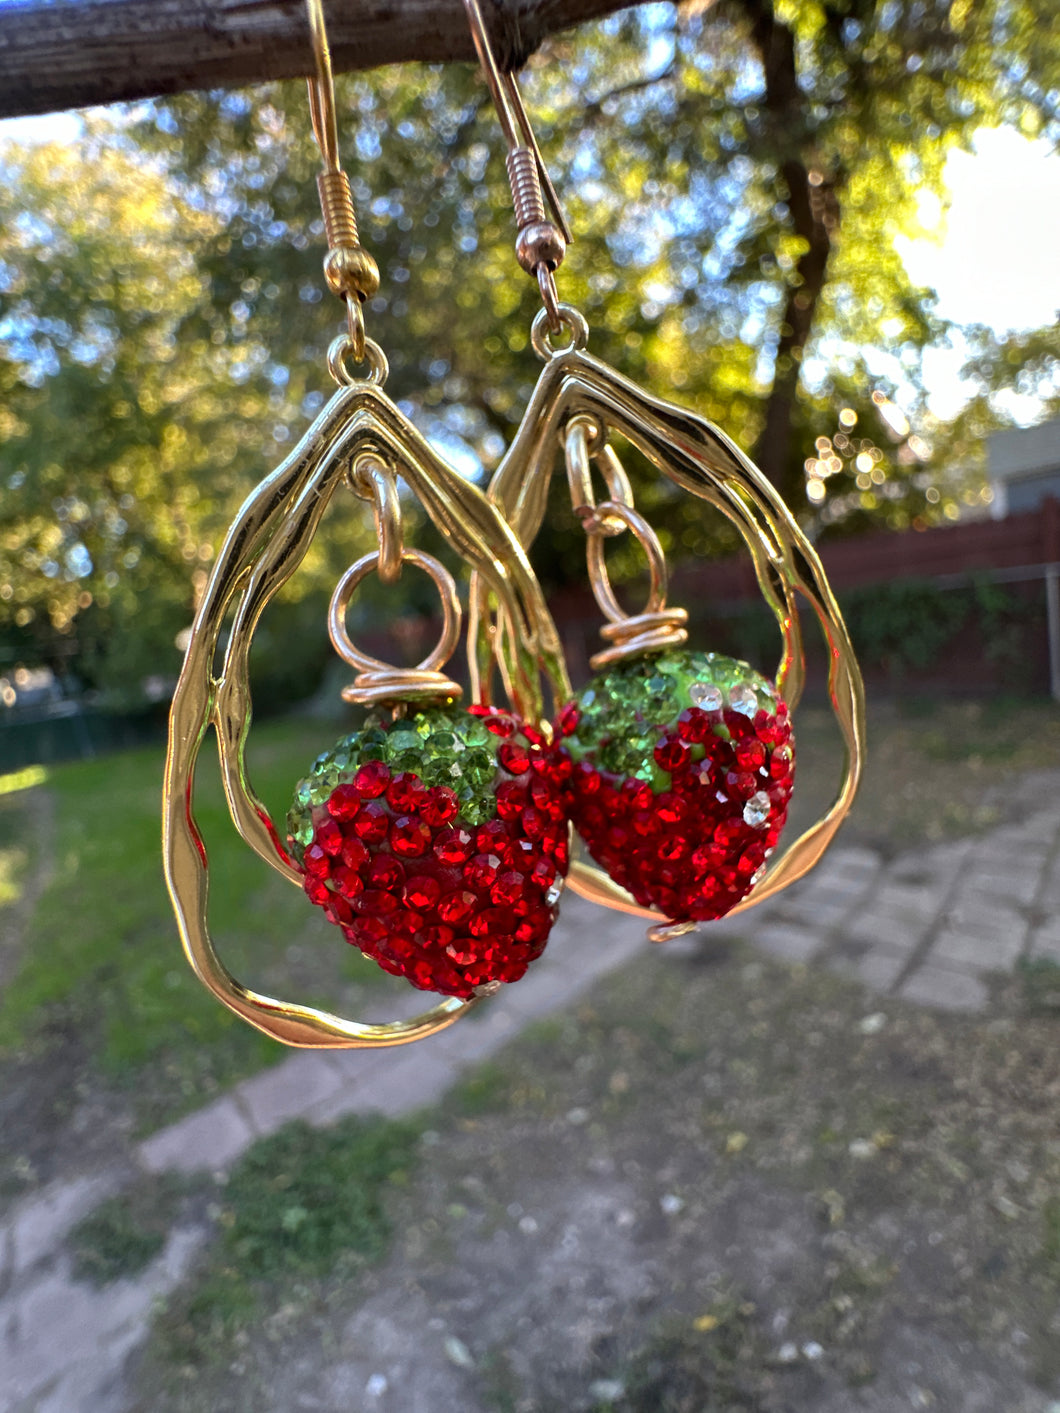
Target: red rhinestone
{"x":493,"y":838}
{"x":437,"y":936}
{"x":328,"y":835}
{"x":514,"y":758}
{"x":740,"y":784}
{"x":568,"y":719}
{"x":453,"y":845}
{"x":671,"y":754}
{"x":372,"y":821}
{"x":440,"y":806}
{"x":523,"y":855}
{"x":409,"y":836}
{"x":534,"y":928}
{"x":354,"y":854}
{"x":350,"y":881}
{"x":500,"y":723}
{"x":376,"y":902}
{"x":344,"y":802}
{"x":370,"y":931}
{"x":316,"y":890}
{"x":542,"y":793}
{"x":533,"y":822}
{"x":482,"y":871}
{"x":694,"y":726}
{"x":338,"y":910}
{"x":406,"y":922}
{"x":558,"y":767}
{"x":480,"y":709}
{"x":492,"y":922}
{"x":511,"y":796}
{"x":561,"y":855}
{"x":738,"y":724}
{"x":544,"y":874}
{"x":372,"y":779}
{"x":508,"y":888}
{"x":728,"y":831}
{"x":422,"y":891}
{"x":454,"y":907}
{"x":668,"y":808}
{"x":750,"y":755}
{"x":671,"y":848}
{"x":618,"y":838}
{"x":316,"y":862}
{"x":385,"y":872}
{"x":587,"y":779}
{"x":405,"y":793}
{"x":637,"y":794}
{"x":462,"y":951}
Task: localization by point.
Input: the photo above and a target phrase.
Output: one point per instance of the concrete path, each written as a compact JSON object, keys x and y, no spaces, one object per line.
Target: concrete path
{"x":930,"y":927}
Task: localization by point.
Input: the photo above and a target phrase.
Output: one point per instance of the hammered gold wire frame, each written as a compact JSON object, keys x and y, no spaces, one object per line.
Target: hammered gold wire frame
{"x":700,"y":459}
{"x":264,"y":547}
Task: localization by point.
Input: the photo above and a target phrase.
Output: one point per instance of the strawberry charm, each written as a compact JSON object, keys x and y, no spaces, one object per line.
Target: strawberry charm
{"x":678,"y":775}
{"x":438,"y":843}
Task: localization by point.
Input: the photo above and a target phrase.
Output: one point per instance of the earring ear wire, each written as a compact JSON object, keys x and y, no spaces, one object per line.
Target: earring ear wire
{"x":541,"y":243}
{"x":349,"y":269}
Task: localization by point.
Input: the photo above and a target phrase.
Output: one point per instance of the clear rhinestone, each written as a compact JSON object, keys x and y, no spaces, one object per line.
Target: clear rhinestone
{"x":744,"y":698}
{"x":706,"y":696}
{"x":554,"y":894}
{"x":756,"y":810}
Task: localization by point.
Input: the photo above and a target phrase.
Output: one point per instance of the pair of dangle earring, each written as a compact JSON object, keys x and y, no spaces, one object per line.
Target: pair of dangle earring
{"x":438,"y":837}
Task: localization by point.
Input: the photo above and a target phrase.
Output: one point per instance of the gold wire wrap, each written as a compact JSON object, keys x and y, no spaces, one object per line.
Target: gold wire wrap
{"x":377,"y":682}
{"x":656,"y":627}
{"x":701,"y":460}
{"x":266,"y":544}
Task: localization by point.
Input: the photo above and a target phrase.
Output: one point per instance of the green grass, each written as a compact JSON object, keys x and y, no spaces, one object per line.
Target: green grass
{"x":300,"y":1204}
{"x":123,"y":1235}
{"x":101,"y":951}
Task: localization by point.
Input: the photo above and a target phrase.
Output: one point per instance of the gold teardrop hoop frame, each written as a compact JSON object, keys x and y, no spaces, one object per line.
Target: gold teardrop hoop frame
{"x":701,"y":460}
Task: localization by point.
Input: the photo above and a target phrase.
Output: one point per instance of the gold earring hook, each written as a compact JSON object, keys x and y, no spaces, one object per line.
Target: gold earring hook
{"x":541,"y":243}
{"x":349,"y":269}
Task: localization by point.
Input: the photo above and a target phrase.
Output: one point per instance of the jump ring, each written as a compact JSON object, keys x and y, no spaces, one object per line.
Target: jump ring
{"x":546,"y":283}
{"x":597,"y":565}
{"x":568,"y":315}
{"x":355,"y":327}
{"x":340,"y":602}
{"x":341,"y":349}
{"x":372,"y":480}
{"x":585,"y":441}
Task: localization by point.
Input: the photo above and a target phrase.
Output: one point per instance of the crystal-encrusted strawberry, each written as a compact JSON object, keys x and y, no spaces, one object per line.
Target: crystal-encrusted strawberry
{"x":437,"y":843}
{"x":680,"y":771}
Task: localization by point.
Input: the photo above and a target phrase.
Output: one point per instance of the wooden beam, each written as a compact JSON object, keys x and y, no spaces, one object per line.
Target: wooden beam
{"x":73,"y":53}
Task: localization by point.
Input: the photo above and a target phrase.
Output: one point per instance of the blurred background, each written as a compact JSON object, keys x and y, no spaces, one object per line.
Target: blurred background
{"x":832,"y":229}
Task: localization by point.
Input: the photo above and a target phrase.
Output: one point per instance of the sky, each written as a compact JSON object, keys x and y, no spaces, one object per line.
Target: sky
{"x":994,"y":256}
{"x":992,"y":252}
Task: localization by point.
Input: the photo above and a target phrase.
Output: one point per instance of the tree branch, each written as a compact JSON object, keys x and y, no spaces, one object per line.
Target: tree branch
{"x":73,"y":53}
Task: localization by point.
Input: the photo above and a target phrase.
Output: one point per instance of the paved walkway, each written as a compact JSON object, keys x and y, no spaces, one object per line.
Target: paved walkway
{"x":929,"y":927}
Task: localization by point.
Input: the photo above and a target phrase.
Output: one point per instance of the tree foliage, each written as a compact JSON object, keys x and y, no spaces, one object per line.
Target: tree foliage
{"x":735,"y":175}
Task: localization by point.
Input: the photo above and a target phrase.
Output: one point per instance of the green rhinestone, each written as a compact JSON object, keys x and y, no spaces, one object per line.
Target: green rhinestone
{"x":440,"y":744}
